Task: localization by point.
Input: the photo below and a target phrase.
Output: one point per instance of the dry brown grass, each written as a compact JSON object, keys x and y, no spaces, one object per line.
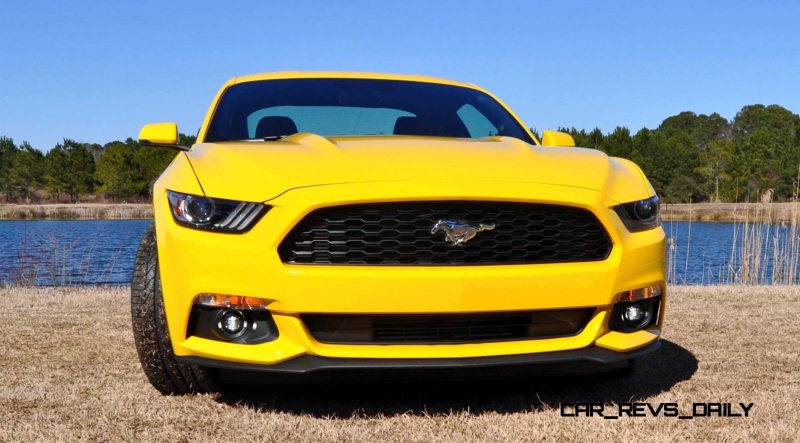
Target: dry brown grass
{"x":92,"y":211}
{"x":729,"y":212}
{"x":69,"y":372}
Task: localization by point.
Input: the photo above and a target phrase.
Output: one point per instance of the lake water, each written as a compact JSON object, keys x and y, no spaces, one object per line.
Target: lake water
{"x":102,"y":251}
{"x":59,"y":252}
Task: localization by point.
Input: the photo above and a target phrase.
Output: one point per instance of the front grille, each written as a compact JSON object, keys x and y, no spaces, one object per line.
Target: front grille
{"x":446,"y":328}
{"x":400,"y":234}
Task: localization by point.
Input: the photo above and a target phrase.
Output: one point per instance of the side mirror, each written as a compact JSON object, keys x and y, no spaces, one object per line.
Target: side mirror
{"x":163,"y":135}
{"x":555,"y":138}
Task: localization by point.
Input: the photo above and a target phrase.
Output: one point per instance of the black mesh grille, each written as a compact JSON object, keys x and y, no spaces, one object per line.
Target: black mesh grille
{"x":400,"y":234}
{"x":446,"y":328}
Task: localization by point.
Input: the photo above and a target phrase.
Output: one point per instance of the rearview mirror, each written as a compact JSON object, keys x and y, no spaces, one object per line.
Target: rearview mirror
{"x":164,"y":135}
{"x":556,"y":138}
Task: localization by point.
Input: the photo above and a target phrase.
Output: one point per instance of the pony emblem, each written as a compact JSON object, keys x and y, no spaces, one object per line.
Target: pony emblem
{"x":458,"y":233}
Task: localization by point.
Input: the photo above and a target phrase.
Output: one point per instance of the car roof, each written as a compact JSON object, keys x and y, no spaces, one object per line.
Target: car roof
{"x":348,"y":74}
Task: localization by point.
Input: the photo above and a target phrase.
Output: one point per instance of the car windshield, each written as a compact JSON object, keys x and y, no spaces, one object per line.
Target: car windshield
{"x":341,"y":107}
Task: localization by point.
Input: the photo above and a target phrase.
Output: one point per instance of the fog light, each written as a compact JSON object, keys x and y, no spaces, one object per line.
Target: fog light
{"x":635,"y":315}
{"x":231,"y":324}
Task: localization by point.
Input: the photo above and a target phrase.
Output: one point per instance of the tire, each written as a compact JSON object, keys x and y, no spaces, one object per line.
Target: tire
{"x":150,"y":331}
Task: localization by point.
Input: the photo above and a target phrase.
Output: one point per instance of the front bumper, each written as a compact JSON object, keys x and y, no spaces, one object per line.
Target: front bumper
{"x":194,"y":262}
{"x":310,"y":368}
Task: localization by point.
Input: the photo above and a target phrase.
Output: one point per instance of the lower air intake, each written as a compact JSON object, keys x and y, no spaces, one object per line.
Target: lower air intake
{"x":446,"y":328}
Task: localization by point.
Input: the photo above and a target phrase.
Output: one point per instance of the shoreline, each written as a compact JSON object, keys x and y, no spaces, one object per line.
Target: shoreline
{"x":696,"y":212}
{"x":76,"y":211}
{"x":731,"y":212}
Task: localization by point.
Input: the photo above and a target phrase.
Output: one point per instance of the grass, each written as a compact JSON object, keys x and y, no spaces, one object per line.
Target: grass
{"x":729,"y":212}
{"x":76,"y":211}
{"x":70,"y":373}
{"x":713,"y":212}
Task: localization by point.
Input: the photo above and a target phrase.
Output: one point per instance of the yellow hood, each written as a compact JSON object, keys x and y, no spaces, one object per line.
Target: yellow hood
{"x":260,"y":171}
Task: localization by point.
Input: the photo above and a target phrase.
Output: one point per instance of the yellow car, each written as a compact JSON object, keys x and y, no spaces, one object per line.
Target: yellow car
{"x":341,"y":224}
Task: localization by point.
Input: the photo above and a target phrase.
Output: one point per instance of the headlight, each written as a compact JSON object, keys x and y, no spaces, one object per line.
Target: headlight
{"x":640,"y":215}
{"x":214,"y":214}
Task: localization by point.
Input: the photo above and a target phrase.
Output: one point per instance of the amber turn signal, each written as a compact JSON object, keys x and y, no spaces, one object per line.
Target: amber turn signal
{"x":639,"y":294}
{"x":230,"y":301}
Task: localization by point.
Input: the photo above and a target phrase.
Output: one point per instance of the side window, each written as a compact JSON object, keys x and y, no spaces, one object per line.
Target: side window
{"x":477,"y":124}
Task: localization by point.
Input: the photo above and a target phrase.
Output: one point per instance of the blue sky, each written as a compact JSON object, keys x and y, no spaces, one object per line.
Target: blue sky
{"x":96,"y":71}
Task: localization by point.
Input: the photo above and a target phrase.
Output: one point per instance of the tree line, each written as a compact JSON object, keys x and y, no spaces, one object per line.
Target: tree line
{"x":688,"y":157}
{"x":701,"y":158}
{"x":71,"y":171}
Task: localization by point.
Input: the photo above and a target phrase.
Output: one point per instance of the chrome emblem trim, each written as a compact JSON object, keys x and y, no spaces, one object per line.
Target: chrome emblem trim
{"x":457,"y":233}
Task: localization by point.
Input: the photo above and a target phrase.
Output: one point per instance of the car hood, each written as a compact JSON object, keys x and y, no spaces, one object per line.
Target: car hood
{"x":260,"y":171}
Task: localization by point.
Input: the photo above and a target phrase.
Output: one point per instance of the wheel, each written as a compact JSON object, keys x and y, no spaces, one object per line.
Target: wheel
{"x":150,"y":331}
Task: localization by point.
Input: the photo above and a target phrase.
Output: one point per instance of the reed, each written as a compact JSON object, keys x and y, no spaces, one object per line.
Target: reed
{"x":725,"y":212}
{"x":77,"y":211}
{"x":765,"y":247}
{"x":54,"y":261}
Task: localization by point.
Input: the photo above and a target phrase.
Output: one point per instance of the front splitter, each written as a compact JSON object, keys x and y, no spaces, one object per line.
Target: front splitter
{"x":312,"y":368}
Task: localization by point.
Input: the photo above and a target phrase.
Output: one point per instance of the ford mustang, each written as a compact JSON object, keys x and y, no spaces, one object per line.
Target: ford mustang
{"x":338,"y":224}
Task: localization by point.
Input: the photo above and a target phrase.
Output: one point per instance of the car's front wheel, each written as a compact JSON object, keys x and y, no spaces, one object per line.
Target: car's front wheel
{"x":150,"y":331}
